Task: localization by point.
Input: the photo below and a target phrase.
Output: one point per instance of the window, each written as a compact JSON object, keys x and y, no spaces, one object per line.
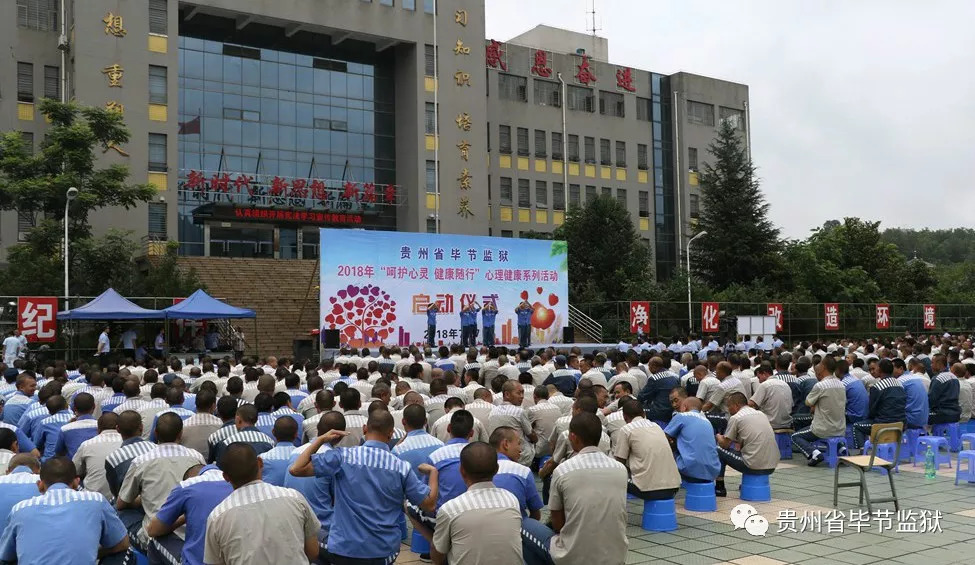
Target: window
{"x":430,"y":118}
{"x":524,"y":193}
{"x":157,"y":152}
{"x":644,"y":204}
{"x":541,"y":194}
{"x":607,"y":191}
{"x":408,"y":4}
{"x":255,"y":116}
{"x":695,"y":205}
{"x":157,"y":221}
{"x":621,"y":196}
{"x":52,"y":82}
{"x":39,"y":15}
{"x":574,"y":195}
{"x":547,"y":93}
{"x":558,"y":196}
{"x":590,"y":193}
{"x":540,"y":143}
{"x":522,"y":141}
{"x":590,"y":148}
{"x":431,"y":225}
{"x":692,"y":158}
{"x":506,"y":196}
{"x":431,"y":177}
{"x":700,"y":113}
{"x":504,"y":139}
{"x":157,"y":85}
{"x":641,"y":156}
{"x":25,"y":82}
{"x":28,"y":139}
{"x":580,"y":99}
{"x":733,"y":116}
{"x":611,"y":104}
{"x":512,"y":87}
{"x":573,"y":147}
{"x":25,"y":223}
{"x":507,"y":233}
{"x":604,"y":156}
{"x":556,"y":145}
{"x":620,"y":153}
{"x":158,"y":20}
{"x":643,"y":109}
{"x":429,"y":61}
{"x":385,"y":2}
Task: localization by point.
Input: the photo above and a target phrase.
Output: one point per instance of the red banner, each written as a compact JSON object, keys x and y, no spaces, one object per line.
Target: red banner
{"x":831,"y":313}
{"x":929,"y":316}
{"x":883,"y":316}
{"x":710,"y":317}
{"x":37,"y":318}
{"x":639,"y":317}
{"x":775,"y":310}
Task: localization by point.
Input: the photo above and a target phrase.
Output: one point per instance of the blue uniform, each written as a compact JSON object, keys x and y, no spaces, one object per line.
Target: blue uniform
{"x":316,"y":490}
{"x":46,"y":435}
{"x":28,"y":420}
{"x":431,"y":317}
{"x":487,"y":317}
{"x":84,"y":521}
{"x":519,"y":481}
{"x":857,"y":400}
{"x":524,"y":326}
{"x":112,"y":403}
{"x":416,"y":448}
{"x":183,"y":413}
{"x":447,"y":461}
{"x":23,"y":441}
{"x":195,"y":498}
{"x":250,"y":435}
{"x":73,"y":434}
{"x":655,"y":395}
{"x":15,"y":406}
{"x":370,"y":484}
{"x":276,"y":464}
{"x":18,"y":486}
{"x":916,"y":406}
{"x":697,"y":453}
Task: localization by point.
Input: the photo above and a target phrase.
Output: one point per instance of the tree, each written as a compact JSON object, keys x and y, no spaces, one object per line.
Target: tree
{"x":741,"y":244}
{"x":607,"y":258}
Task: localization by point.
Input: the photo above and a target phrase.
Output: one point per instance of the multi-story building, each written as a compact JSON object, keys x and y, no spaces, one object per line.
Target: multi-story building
{"x":260,"y":121}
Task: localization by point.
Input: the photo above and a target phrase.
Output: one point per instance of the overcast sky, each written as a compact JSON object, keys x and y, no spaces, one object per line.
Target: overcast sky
{"x":863,"y":108}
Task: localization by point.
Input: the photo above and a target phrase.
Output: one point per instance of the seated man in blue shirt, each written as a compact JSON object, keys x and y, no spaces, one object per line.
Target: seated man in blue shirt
{"x":513,"y":476}
{"x":697,"y":451}
{"x":370,"y":486}
{"x":916,"y":408}
{"x":276,"y":465}
{"x":447,"y":458}
{"x":86,"y":523}
{"x":857,"y":399}
{"x":21,"y":482}
{"x":887,"y":403}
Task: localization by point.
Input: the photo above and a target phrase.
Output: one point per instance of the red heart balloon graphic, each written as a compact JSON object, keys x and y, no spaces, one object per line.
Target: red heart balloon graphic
{"x":553,"y":300}
{"x":524,"y":295}
{"x":538,"y":290}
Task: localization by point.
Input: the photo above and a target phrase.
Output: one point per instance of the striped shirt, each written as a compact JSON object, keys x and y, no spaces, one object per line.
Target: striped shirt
{"x":90,"y":460}
{"x":480,"y":527}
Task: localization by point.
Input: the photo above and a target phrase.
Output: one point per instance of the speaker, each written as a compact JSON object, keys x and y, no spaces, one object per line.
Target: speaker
{"x":331,"y":339}
{"x":568,"y":334}
{"x":302,"y":349}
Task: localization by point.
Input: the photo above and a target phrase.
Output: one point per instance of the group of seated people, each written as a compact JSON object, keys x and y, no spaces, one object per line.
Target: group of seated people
{"x":269,"y":461}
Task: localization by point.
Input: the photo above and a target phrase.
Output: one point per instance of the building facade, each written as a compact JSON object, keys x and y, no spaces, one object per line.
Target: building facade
{"x":260,"y":121}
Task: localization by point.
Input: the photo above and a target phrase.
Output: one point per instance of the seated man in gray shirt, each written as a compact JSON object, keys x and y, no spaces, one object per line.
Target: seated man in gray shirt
{"x":773,"y":397}
{"x":757,"y":451}
{"x":828,"y":400}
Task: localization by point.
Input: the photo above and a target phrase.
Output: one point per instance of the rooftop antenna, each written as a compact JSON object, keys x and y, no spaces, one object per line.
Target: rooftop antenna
{"x":591,"y":25}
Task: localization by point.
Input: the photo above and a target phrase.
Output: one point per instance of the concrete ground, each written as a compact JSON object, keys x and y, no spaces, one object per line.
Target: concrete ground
{"x":802,"y":507}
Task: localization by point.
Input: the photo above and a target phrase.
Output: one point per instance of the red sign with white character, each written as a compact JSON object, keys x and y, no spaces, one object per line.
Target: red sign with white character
{"x":831,"y":313}
{"x":775,"y":310}
{"x":37,"y":318}
{"x":883,"y":316}
{"x":710,"y":317}
{"x":929,"y":316}
{"x":639,"y":317}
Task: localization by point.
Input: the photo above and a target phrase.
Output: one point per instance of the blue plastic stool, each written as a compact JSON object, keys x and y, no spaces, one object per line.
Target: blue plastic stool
{"x":953,"y":433}
{"x":784,"y":441}
{"x":419,"y":544}
{"x":700,"y":497}
{"x":910,"y":443}
{"x":967,"y":475}
{"x":970,"y":438}
{"x":755,"y":488}
{"x":659,"y":515}
{"x":832,"y":449}
{"x":140,"y":558}
{"x":968,"y":427}
{"x":630,"y":497}
{"x":884,"y":451}
{"x":936,"y":443}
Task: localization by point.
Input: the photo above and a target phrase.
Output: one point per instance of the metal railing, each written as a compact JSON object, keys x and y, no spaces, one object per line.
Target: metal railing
{"x":587,"y":325}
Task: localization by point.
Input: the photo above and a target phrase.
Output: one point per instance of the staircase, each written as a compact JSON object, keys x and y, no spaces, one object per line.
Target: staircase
{"x":587,"y":330}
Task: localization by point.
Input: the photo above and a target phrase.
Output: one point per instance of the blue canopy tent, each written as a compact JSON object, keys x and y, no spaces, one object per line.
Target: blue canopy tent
{"x":111,"y":305}
{"x":202,"y":306}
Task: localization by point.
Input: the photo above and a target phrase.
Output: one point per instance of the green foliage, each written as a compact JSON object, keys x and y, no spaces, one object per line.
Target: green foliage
{"x":940,"y":247}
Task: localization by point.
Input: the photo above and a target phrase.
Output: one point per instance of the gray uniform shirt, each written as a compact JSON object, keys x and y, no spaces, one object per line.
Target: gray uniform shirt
{"x":260,"y":523}
{"x":197,"y":430}
{"x":829,"y":398}
{"x":90,"y":458}
{"x":774,"y":399}
{"x":480,"y":527}
{"x":514,"y":417}
{"x":154,"y":474}
{"x":751,"y":430}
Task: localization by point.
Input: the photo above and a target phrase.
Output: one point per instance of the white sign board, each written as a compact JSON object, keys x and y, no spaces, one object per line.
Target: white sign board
{"x":755,"y":326}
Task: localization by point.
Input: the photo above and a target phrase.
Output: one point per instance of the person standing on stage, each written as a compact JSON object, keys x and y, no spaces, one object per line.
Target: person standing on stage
{"x":488,"y":313}
{"x":472,"y":309}
{"x":524,"y":312}
{"x":104,"y":348}
{"x":432,"y":311}
{"x":160,"y":344}
{"x":127,"y":341}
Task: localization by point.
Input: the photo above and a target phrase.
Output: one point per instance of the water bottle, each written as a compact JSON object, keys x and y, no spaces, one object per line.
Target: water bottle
{"x":929,"y":467}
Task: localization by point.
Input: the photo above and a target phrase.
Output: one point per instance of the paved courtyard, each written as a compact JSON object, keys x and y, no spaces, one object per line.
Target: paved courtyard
{"x":801,"y":506}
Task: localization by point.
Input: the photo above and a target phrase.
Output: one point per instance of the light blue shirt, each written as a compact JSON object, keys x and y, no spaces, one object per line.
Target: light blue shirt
{"x":15,"y":406}
{"x":183,"y":413}
{"x":195,"y":498}
{"x":18,"y":486}
{"x":316,"y":490}
{"x":370,"y":484}
{"x":276,"y":464}
{"x":71,"y":435}
{"x":447,"y":461}
{"x":84,"y":521}
{"x":857,"y":399}
{"x":416,"y":448}
{"x":519,"y":481}
{"x":697,"y":449}
{"x":46,"y":435}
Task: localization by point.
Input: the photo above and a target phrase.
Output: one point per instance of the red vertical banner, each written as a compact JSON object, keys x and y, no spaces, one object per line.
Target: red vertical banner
{"x":831,"y":316}
{"x":930,"y":316}
{"x":639,"y":317}
{"x":775,"y":310}
{"x":710,"y":318}
{"x":37,"y":318}
{"x":883,"y":316}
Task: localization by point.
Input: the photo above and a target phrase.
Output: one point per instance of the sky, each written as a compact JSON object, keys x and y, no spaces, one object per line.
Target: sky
{"x":858,"y":109}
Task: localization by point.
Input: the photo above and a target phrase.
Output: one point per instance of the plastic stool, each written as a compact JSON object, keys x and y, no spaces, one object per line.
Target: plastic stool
{"x":140,"y":558}
{"x":884,"y":451}
{"x":832,"y":449}
{"x":970,"y":438}
{"x":953,"y":433}
{"x":659,"y":515}
{"x":700,"y":497}
{"x":968,"y":474}
{"x":936,"y":443}
{"x":755,"y":488}
{"x":419,"y":544}
{"x":910,"y":443}
{"x":968,"y":427}
{"x":784,"y":441}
